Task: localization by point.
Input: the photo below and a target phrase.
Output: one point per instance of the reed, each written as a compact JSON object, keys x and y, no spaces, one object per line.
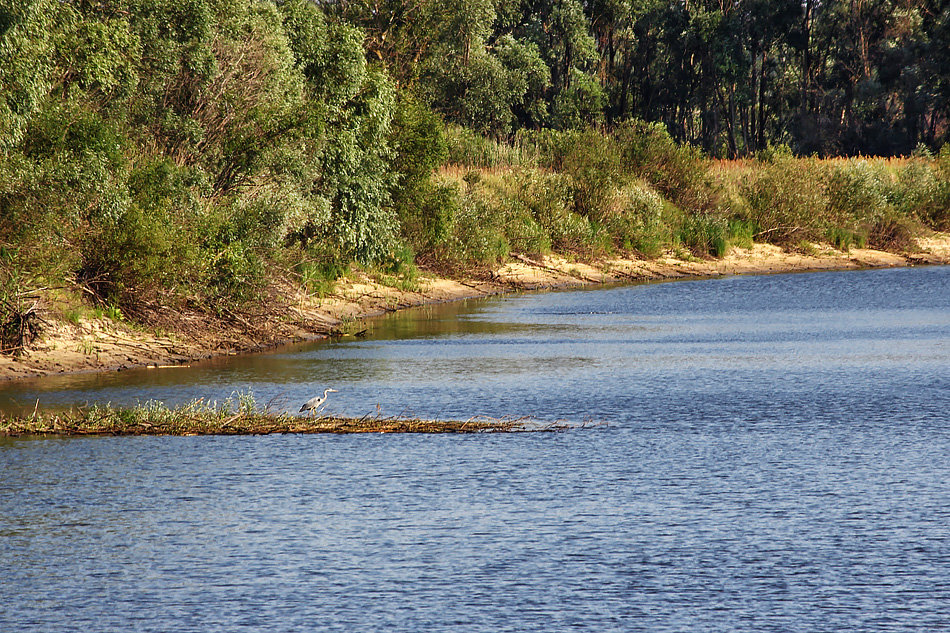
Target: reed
{"x":239,"y":417}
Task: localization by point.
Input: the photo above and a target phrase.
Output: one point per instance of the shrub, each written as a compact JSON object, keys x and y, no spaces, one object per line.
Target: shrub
{"x":429,"y":226}
{"x":524,"y":234}
{"x":704,"y":234}
{"x":549,"y":200}
{"x":419,"y":141}
{"x":593,"y":161}
{"x":923,"y":190}
{"x":636,"y":220}
{"x":479,"y":235}
{"x":859,"y":192}
{"x":843,"y":239}
{"x":679,"y":172}
{"x":786,"y":199}
{"x":894,"y":231}
{"x":129,"y":253}
{"x":235,"y":273}
{"x":866,"y":198}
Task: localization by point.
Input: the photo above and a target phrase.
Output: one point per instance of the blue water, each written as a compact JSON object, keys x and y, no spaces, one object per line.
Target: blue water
{"x":776,"y":459}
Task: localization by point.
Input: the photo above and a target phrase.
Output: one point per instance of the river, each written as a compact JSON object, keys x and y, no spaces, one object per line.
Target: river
{"x":775,"y":458}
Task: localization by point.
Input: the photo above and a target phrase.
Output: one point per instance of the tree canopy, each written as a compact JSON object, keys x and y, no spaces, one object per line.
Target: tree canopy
{"x":833,"y":77}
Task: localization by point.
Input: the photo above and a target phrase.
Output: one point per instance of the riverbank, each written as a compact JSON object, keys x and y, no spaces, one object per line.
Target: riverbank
{"x":290,"y":314}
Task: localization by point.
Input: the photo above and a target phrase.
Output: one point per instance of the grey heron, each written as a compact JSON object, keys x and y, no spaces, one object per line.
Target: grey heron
{"x":314,"y":403}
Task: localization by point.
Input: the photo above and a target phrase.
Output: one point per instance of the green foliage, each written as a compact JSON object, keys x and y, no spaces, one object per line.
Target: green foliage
{"x":428,"y":226}
{"x":704,"y":235}
{"x":128,"y":254}
{"x":235,"y":272}
{"x":860,"y":190}
{"x":786,"y":199}
{"x":843,"y":239}
{"x":421,"y":204}
{"x":580,"y":103}
{"x":710,"y":235}
{"x":320,"y":269}
{"x":99,"y":56}
{"x":638,"y":220}
{"x":176,"y":147}
{"x":594,"y":162}
{"x":468,"y":148}
{"x":550,"y":201}
{"x":742,"y":233}
{"x":774,"y":153}
{"x":830,"y":78}
{"x":679,"y":172}
{"x":479,"y":233}
{"x":529,"y":79}
{"x":26,"y":75}
{"x":922,"y":190}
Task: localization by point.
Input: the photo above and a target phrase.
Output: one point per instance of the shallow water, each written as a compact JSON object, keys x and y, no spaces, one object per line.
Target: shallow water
{"x":775,"y":460}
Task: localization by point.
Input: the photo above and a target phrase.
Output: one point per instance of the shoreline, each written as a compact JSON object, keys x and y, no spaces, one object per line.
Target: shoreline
{"x":290,"y":315}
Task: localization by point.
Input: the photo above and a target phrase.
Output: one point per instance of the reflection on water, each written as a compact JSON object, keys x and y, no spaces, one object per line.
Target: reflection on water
{"x":776,"y":460}
{"x":515,"y":355}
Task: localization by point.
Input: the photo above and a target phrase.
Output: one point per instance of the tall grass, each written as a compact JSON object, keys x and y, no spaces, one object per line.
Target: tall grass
{"x":634,"y":189}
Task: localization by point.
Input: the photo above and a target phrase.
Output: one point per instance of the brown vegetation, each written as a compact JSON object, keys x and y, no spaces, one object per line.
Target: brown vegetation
{"x":199,"y":419}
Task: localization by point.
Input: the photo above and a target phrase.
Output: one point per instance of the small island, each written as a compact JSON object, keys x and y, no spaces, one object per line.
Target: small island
{"x":241,"y":417}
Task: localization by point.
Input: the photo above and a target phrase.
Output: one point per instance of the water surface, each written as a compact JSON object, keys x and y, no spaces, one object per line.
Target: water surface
{"x":775,"y":460}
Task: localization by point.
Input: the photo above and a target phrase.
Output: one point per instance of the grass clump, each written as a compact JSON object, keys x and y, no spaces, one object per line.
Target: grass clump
{"x":239,"y":415}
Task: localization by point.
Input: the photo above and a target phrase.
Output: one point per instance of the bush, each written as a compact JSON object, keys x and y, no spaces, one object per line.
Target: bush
{"x":235,"y":273}
{"x":866,"y":198}
{"x":923,"y":190}
{"x":786,"y":199}
{"x":128,"y":254}
{"x":843,"y":239}
{"x":859,"y":192}
{"x":549,"y":199}
{"x":479,"y":235}
{"x":894,"y":232}
{"x":592,"y":160}
{"x":637,"y":220}
{"x":419,"y":140}
{"x":429,"y":226}
{"x":704,"y":234}
{"x":679,"y":172}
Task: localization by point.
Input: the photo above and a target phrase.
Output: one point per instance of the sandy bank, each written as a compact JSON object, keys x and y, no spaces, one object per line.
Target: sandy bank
{"x":289,"y":314}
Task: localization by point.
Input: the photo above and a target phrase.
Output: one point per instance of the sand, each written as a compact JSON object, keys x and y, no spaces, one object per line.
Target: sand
{"x":291,"y":315}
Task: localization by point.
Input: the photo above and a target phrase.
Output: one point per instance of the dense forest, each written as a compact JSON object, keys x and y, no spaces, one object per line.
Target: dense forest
{"x":830,"y":77}
{"x":186,"y":152}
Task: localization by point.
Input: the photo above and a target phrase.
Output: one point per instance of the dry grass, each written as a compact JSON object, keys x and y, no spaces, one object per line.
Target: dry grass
{"x":197,"y":419}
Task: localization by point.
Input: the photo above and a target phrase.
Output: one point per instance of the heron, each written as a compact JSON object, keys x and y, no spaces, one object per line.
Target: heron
{"x":314,"y":403}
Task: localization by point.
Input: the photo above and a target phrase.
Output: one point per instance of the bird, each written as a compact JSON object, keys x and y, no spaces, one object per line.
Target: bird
{"x":314,"y":403}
